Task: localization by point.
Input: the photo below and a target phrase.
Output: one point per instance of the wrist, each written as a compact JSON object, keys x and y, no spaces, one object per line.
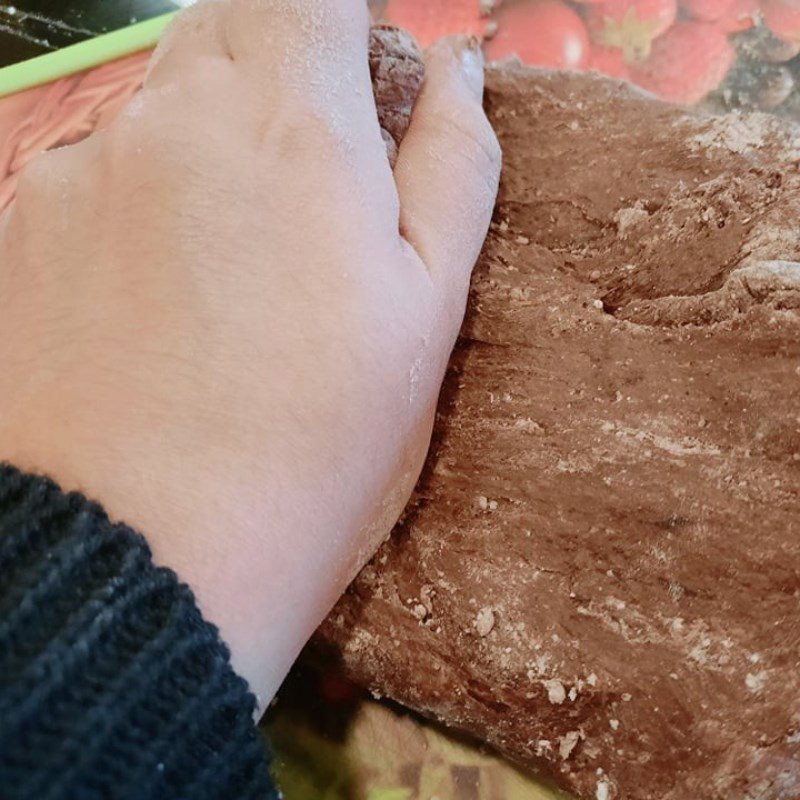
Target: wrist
{"x":267,"y":546}
{"x":264,"y":567}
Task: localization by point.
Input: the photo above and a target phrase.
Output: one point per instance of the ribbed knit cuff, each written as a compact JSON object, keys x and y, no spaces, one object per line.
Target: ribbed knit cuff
{"x":112,"y":685}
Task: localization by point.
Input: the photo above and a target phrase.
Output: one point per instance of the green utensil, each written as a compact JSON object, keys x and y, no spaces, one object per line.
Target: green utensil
{"x":83,"y":55}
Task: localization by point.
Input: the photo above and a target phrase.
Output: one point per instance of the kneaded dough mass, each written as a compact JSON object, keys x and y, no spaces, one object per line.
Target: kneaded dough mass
{"x":600,"y":572}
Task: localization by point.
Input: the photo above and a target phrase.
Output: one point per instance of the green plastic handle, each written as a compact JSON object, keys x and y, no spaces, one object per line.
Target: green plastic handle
{"x":81,"y":56}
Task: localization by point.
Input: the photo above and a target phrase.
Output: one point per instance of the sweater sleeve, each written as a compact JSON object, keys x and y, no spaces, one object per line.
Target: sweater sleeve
{"x":112,"y":685}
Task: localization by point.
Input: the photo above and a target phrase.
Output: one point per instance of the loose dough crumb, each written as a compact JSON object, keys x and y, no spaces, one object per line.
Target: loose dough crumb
{"x":419,"y":611}
{"x":755,"y":682}
{"x":556,"y":693}
{"x":484,"y":621}
{"x":567,"y":744}
{"x":628,"y":218}
{"x":485,"y":504}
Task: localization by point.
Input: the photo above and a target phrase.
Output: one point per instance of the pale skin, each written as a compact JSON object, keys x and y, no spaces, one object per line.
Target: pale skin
{"x":228,"y":321}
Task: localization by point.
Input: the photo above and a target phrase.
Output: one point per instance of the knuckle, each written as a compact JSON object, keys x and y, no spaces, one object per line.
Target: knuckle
{"x":485,"y":141}
{"x":313,"y":133}
{"x":199,"y":19}
{"x":307,"y":17}
{"x":475,"y":139}
{"x":40,"y":175}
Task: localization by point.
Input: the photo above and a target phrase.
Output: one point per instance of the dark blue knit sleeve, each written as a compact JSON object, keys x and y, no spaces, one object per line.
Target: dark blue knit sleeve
{"x":112,"y":686}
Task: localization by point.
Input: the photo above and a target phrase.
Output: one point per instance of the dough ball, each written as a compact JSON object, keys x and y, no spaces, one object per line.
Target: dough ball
{"x":397,"y":69}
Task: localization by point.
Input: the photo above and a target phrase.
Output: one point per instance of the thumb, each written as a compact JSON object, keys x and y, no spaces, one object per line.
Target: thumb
{"x":448,"y":167}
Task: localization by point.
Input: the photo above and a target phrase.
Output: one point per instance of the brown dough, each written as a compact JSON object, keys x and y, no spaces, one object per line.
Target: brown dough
{"x":397,"y":70}
{"x":600,"y":572}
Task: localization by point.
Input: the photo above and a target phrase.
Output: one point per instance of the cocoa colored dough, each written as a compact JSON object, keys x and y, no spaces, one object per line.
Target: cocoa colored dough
{"x":397,"y":71}
{"x":599,"y":574}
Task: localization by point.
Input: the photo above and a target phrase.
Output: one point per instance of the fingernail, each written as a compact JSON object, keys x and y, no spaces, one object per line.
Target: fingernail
{"x":463,"y":53}
{"x":472,"y":63}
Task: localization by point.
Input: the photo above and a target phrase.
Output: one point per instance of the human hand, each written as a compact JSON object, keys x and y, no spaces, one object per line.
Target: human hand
{"x":228,"y":321}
